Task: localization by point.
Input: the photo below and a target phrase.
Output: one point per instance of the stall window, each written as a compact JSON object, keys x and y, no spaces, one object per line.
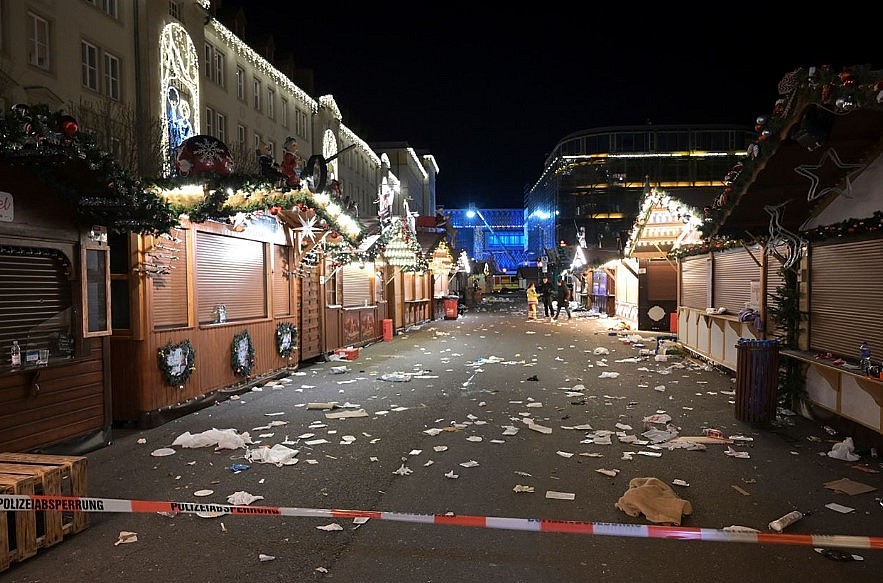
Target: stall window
{"x":36,"y":304}
{"x":231,"y":278}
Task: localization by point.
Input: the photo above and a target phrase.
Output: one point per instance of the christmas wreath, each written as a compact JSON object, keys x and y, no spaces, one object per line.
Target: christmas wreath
{"x":286,"y":338}
{"x":242,"y":354}
{"x":177,"y":361}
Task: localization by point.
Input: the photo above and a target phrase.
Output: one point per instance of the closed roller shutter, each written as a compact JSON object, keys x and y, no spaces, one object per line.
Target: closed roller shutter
{"x":281,"y":281}
{"x":35,"y":298}
{"x":170,"y":293}
{"x":845,"y":283}
{"x":230,"y":272}
{"x":356,"y":285}
{"x":733,"y":272}
{"x":694,"y":281}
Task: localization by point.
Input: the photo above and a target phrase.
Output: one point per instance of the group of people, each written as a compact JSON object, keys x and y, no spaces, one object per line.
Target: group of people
{"x":545,"y":292}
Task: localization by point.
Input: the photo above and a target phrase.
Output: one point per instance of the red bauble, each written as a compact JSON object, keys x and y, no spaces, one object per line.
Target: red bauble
{"x":203,"y":155}
{"x":68,"y":125}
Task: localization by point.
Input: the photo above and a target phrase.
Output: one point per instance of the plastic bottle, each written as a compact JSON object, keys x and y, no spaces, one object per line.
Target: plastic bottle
{"x":15,"y":354}
{"x":782,"y":523}
{"x":865,"y":356}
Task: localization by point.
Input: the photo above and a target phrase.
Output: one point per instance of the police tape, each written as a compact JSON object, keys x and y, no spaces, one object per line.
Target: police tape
{"x":18,"y":502}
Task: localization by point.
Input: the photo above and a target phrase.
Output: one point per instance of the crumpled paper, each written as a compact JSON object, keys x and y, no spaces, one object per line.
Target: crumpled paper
{"x":220,"y":438}
{"x":844,"y":451}
{"x":242,"y":498}
{"x":278,"y":454}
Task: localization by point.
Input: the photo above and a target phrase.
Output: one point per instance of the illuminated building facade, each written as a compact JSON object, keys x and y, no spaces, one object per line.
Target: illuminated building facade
{"x":593,"y":181}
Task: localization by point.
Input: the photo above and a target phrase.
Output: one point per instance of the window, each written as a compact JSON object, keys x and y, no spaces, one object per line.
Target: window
{"x":271,"y":145}
{"x":271,"y":103}
{"x":38,"y":41}
{"x":111,"y":76}
{"x":96,"y":290}
{"x":257,"y":141}
{"x":257,"y":94}
{"x":89,"y":58}
{"x":209,"y":121}
{"x":300,"y":122}
{"x":209,"y":63}
{"x":110,"y":7}
{"x":220,"y":61}
{"x":240,"y":83}
{"x":222,"y":127}
{"x":241,"y":134}
{"x":230,"y":273}
{"x":174,"y":9}
{"x":284,"y":112}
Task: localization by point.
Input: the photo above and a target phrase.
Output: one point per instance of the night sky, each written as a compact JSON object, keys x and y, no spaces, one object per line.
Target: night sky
{"x":491,"y":95}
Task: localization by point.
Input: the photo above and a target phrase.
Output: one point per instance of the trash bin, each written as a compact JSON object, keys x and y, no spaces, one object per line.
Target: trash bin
{"x":451,"y":307}
{"x":757,"y":379}
{"x":387,"y":330}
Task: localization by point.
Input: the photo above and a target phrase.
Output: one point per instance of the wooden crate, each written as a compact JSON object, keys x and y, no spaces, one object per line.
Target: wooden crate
{"x":49,"y":522}
{"x":73,"y":480}
{"x":18,"y":528}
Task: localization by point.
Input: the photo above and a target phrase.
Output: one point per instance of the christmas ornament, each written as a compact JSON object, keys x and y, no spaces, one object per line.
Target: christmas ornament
{"x":203,"y":155}
{"x":68,"y":125}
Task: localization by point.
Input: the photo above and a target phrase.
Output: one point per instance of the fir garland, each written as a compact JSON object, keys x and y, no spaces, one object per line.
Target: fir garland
{"x":71,"y":163}
{"x":286,"y":338}
{"x":242,"y":354}
{"x":183,"y":358}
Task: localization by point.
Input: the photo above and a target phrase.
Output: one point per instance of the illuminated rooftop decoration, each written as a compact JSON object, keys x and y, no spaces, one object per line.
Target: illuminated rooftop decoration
{"x":348,"y":136}
{"x":261,"y":64}
{"x":663,"y":222}
{"x":400,"y":247}
{"x":179,"y":90}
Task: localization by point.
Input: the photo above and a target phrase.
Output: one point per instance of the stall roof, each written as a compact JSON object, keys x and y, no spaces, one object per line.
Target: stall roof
{"x":828,"y":127}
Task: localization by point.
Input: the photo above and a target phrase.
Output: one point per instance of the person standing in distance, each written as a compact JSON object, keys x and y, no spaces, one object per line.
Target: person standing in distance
{"x":564,"y":295}
{"x":546,"y":290}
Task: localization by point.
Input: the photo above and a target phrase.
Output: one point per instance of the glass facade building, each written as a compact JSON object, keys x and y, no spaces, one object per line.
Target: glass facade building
{"x":593,"y":181}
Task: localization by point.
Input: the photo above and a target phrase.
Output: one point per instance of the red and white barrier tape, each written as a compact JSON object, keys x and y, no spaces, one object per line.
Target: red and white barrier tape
{"x":16,"y":502}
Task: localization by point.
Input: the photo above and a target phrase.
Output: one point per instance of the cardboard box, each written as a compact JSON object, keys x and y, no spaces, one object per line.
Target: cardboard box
{"x":347,"y":353}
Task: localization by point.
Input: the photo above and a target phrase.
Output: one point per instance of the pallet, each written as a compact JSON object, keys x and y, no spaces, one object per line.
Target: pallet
{"x":73,"y":483}
{"x":18,"y":528}
{"x":49,"y":522}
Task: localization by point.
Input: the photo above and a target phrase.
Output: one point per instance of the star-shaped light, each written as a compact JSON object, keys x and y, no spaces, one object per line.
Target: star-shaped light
{"x":308,"y":227}
{"x":811,"y":171}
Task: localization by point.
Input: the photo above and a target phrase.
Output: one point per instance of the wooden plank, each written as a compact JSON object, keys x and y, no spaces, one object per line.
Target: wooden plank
{"x":23,"y":540}
{"x":74,"y":482}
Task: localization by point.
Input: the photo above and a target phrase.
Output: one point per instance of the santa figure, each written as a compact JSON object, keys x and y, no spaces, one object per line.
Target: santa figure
{"x":292,"y":163}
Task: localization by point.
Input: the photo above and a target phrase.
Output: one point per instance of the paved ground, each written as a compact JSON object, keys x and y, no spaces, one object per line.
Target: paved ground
{"x":442,"y":403}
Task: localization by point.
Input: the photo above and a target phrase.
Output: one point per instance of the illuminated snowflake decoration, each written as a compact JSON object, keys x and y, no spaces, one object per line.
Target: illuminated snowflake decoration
{"x":208,"y":151}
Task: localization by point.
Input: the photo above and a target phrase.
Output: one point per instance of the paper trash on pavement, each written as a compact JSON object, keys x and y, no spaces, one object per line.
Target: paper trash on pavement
{"x":553,"y":495}
{"x":264,"y":558}
{"x":220,"y":438}
{"x":521,"y":489}
{"x":278,"y":454}
{"x":333,"y":527}
{"x":126,"y":537}
{"x":346,"y":414}
{"x":242,"y":498}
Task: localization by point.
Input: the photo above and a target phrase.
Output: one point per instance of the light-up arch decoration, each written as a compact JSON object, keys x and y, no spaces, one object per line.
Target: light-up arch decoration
{"x":179,"y":90}
{"x":329,"y":150}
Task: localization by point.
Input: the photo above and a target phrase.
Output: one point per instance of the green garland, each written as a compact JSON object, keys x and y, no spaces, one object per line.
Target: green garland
{"x":177,"y":373}
{"x":242,"y":363}
{"x":286,"y":338}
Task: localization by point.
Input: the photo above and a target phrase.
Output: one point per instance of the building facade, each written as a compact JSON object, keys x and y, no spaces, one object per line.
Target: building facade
{"x":589,"y":191}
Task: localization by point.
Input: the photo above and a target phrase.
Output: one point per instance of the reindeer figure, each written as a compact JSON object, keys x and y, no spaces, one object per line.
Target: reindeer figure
{"x":779,"y":235}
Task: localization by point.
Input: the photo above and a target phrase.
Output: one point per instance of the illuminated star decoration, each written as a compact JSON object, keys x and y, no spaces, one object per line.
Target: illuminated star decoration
{"x":811,"y":171}
{"x":308,"y":228}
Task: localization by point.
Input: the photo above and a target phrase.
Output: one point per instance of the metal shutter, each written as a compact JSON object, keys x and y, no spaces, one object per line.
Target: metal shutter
{"x":845,"y":281}
{"x":356,"y":285}
{"x":733,"y":270}
{"x":695,"y":272}
{"x":35,"y":298}
{"x":281,"y":281}
{"x":230,"y":272}
{"x":170,"y":293}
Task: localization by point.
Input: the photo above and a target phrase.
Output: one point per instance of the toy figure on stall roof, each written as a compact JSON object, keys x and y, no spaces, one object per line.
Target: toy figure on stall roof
{"x":269,"y":167}
{"x":292,"y":162}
